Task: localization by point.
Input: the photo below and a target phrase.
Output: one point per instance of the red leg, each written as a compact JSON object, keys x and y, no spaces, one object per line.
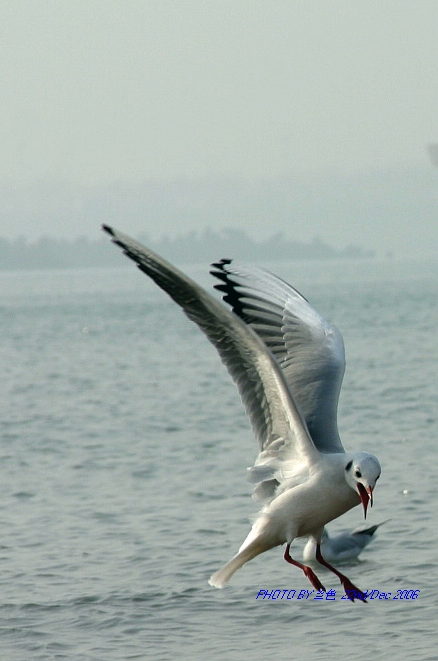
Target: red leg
{"x":351,"y":590}
{"x":308,"y":572}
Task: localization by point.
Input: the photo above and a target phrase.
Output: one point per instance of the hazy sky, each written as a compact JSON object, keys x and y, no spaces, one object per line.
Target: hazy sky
{"x":101,"y":91}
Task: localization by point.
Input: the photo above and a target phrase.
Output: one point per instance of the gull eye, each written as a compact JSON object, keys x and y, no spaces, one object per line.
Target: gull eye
{"x":357,"y":473}
{"x":348,"y":466}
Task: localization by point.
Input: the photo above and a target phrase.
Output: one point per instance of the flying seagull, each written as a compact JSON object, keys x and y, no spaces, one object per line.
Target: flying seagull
{"x":344,"y":547}
{"x":288,"y":364}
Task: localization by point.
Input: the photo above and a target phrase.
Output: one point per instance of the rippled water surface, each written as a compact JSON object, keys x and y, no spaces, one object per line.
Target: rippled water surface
{"x":123,"y":453}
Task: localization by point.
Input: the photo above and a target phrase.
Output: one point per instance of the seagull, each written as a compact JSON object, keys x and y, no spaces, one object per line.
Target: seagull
{"x":287,"y":363}
{"x":344,"y":547}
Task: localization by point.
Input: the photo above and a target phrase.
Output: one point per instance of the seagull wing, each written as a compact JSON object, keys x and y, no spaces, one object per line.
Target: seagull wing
{"x":276,"y":421}
{"x":347,"y":544}
{"x":309,"y":350}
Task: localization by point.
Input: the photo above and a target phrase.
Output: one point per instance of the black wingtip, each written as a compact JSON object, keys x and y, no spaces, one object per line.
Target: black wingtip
{"x":108,"y":229}
{"x":368,"y":532}
{"x":217,"y":269}
{"x":228,"y":287}
{"x":221,"y":263}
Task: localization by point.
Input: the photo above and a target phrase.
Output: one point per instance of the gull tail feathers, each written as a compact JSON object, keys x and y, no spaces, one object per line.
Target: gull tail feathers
{"x":220,"y":578}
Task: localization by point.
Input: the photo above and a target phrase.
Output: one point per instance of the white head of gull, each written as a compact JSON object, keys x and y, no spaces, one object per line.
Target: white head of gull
{"x":288,"y":364}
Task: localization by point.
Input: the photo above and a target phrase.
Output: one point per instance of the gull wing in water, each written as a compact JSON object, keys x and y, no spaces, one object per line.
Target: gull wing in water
{"x":343,"y":547}
{"x":276,"y":421}
{"x":309,"y":350}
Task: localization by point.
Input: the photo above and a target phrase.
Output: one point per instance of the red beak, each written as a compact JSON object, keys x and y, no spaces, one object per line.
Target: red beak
{"x":366,"y":497}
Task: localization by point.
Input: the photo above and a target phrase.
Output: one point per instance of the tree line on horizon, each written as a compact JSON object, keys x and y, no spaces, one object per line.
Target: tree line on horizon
{"x":192,"y":247}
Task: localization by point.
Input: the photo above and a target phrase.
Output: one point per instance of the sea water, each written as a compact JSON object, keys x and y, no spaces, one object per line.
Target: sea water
{"x":124,"y":448}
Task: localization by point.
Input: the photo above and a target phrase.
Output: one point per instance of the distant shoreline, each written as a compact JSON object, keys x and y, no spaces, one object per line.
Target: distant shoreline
{"x":192,"y":247}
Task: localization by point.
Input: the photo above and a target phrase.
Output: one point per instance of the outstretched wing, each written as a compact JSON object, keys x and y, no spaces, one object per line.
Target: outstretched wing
{"x":309,"y":350}
{"x":277,"y":423}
